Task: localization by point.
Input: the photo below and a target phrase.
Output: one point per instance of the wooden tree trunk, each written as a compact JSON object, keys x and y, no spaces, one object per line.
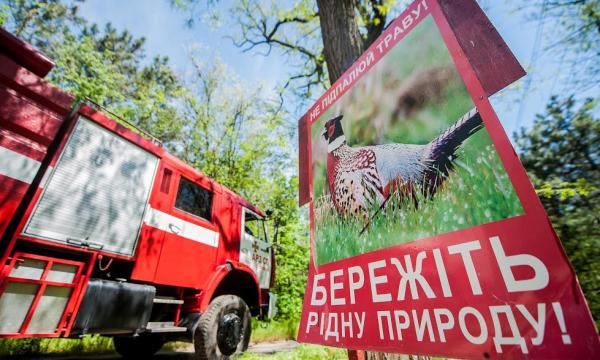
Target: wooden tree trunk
{"x":342,"y":42}
{"x":342,"y":45}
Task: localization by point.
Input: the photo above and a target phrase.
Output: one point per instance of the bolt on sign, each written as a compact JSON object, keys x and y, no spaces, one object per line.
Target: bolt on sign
{"x":427,"y":236}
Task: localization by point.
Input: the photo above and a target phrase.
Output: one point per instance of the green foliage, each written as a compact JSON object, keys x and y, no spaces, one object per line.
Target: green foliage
{"x":573,"y":35}
{"x":232,"y":134}
{"x":87,"y":72}
{"x":293,"y":29}
{"x":238,"y":138}
{"x":274,"y":330}
{"x":564,"y":189}
{"x":106,"y":66}
{"x":561,"y":152}
{"x":89,"y":344}
{"x":212,"y":121}
{"x":41,"y":22}
{"x":3,"y":14}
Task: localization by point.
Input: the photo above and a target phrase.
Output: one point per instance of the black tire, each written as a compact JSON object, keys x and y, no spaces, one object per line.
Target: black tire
{"x":139,"y":347}
{"x":224,"y":329}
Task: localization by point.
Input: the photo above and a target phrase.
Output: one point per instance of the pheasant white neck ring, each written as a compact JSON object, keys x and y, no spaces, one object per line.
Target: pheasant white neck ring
{"x":336,"y":143}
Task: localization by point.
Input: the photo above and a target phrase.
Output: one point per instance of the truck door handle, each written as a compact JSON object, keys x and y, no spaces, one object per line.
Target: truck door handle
{"x":85,"y":243}
{"x":174,"y":228}
{"x":74,"y":241}
{"x":95,"y":245}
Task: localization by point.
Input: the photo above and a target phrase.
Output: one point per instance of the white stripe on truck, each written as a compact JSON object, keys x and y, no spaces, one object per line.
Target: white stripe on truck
{"x":17,"y":166}
{"x":165,"y":222}
{"x":20,"y":167}
{"x":23,"y":168}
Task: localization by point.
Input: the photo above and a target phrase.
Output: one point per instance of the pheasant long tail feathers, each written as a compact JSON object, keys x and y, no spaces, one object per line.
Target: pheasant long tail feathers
{"x":442,"y":150}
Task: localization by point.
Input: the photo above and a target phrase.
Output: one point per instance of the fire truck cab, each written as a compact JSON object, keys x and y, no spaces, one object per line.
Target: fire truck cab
{"x":103,"y":231}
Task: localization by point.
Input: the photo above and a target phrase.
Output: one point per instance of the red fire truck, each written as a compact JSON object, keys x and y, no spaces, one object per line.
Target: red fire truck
{"x":103,"y":231}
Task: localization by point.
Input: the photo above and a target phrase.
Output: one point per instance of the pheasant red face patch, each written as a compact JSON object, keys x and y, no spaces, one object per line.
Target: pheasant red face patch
{"x":330,"y":128}
{"x":426,"y":235}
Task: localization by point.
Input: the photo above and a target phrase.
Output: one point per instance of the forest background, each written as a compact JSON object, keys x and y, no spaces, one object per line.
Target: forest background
{"x":242,"y":132}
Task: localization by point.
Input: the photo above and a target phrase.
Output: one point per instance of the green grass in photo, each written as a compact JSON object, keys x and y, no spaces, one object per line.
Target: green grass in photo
{"x":478,"y":191}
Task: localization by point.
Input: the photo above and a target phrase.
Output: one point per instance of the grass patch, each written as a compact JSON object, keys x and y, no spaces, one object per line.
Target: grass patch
{"x":273,"y":330}
{"x":89,"y":344}
{"x":96,"y":344}
{"x":477,"y":192}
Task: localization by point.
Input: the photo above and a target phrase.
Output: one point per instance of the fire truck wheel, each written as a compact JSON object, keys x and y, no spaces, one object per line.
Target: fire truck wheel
{"x":223,"y":329}
{"x":140,"y":347}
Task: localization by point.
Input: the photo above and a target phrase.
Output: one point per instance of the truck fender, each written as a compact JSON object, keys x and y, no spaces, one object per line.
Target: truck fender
{"x":215,"y":280}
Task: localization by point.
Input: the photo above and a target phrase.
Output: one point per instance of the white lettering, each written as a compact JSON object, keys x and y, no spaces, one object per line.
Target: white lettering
{"x":334,"y":286}
{"x":462,"y":314}
{"x":318,"y":289}
{"x":355,"y":284}
{"x":412,"y":276}
{"x":540,"y":278}
{"x":441,"y":269}
{"x":387,"y":39}
{"x":347,"y":324}
{"x":362,"y":65}
{"x":361,"y":323}
{"x":425,"y":323}
{"x":566,"y":338}
{"x":370,"y":58}
{"x":539,"y":324}
{"x":375,"y":280}
{"x":407,"y":21}
{"x":443,"y":325}
{"x":315,"y":112}
{"x":313,"y":318}
{"x":416,"y":12}
{"x":388,"y":316}
{"x":332,"y":332}
{"x":401,"y":325}
{"x":464,"y":250}
{"x":499,"y":338}
{"x":397,"y":31}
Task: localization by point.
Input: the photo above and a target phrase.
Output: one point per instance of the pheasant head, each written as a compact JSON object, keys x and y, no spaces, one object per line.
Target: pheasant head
{"x":334,"y":133}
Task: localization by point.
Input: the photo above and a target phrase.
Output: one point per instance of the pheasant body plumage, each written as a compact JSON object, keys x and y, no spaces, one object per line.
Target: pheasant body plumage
{"x":360,"y":177}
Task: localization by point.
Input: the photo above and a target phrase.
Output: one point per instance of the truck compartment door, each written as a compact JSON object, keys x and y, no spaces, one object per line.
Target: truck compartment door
{"x":97,"y":194}
{"x":37,"y":295}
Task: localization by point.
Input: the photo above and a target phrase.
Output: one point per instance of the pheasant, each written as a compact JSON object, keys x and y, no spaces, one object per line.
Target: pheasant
{"x":359,"y":177}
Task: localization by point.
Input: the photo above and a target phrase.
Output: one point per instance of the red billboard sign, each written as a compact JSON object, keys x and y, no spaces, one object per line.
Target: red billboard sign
{"x":427,"y":236}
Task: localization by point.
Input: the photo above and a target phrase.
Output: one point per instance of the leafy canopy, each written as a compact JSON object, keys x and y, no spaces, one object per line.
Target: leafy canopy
{"x":562,"y":155}
{"x":211,"y":119}
{"x":294,"y":30}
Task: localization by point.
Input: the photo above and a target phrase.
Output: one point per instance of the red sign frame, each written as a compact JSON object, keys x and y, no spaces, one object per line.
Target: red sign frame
{"x":501,"y":289}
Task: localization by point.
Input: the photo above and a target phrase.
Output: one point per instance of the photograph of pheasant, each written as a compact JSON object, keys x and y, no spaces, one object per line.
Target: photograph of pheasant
{"x":359,"y":177}
{"x":403,"y":155}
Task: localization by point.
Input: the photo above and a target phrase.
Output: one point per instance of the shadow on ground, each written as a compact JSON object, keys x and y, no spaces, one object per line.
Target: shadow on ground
{"x":186,"y":353}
